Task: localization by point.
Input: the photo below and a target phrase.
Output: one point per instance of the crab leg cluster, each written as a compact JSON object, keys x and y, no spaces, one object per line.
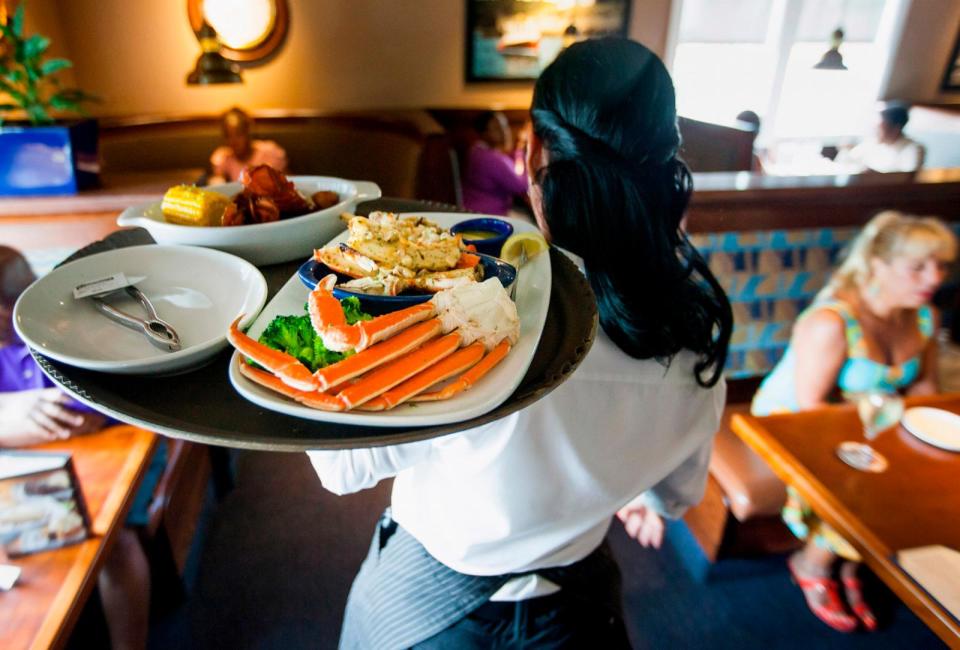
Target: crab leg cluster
{"x":399,"y":356}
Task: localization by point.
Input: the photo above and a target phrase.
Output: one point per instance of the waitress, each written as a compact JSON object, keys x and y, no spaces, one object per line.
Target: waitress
{"x":496,"y":535}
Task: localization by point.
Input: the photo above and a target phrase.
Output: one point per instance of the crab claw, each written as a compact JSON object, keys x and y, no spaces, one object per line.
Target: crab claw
{"x":327,"y":318}
{"x":290,"y":371}
{"x":313,"y":399}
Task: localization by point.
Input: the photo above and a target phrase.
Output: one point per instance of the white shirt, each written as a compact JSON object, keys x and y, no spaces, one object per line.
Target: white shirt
{"x":903,"y":155}
{"x":539,"y":487}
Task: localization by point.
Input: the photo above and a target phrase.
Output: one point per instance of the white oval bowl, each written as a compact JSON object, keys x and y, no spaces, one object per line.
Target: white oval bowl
{"x":261,"y":243}
{"x":197,"y":290}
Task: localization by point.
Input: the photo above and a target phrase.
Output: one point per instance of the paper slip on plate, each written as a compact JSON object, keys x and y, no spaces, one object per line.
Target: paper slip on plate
{"x":934,"y":426}
{"x":532,"y":299}
{"x":198,"y":291}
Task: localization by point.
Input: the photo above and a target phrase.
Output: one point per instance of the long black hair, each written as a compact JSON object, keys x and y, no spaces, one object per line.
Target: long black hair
{"x":614,"y":191}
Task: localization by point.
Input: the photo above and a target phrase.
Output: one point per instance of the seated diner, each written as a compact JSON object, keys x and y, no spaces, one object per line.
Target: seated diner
{"x":871,"y":329}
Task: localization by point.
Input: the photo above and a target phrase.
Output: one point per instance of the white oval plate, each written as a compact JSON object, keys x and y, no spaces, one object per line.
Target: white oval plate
{"x":934,"y":426}
{"x":533,"y":300}
{"x":197,"y":290}
{"x":261,"y":243}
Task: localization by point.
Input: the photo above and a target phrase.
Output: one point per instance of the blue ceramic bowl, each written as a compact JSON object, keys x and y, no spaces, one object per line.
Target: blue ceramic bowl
{"x":311,"y":271}
{"x":491,"y":245}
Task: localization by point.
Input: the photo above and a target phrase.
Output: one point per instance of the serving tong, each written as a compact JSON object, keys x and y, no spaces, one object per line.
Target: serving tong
{"x":158,"y":331}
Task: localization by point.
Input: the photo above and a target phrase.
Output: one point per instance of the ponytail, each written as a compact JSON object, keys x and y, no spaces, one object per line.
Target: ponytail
{"x":614,"y":192}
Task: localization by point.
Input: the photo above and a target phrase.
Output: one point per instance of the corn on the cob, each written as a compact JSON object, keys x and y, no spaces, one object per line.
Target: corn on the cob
{"x":188,"y":205}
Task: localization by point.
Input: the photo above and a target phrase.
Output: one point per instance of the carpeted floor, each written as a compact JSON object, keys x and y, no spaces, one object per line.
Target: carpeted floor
{"x":275,"y":563}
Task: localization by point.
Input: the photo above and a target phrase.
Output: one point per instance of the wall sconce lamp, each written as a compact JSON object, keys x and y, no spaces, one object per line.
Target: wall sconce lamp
{"x":235,"y":34}
{"x":211,"y":67}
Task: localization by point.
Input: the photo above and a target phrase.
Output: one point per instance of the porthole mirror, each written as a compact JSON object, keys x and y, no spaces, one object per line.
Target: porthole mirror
{"x":250,"y":31}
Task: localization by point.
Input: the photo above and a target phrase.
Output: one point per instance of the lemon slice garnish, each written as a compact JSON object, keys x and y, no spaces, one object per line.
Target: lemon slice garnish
{"x":523,"y":244}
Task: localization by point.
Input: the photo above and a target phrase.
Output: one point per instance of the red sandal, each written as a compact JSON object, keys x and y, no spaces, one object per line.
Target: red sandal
{"x":832,"y":611}
{"x":854,"y":593}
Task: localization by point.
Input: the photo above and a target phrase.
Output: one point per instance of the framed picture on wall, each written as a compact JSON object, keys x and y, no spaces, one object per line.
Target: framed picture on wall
{"x":951,"y":79}
{"x":513,"y":40}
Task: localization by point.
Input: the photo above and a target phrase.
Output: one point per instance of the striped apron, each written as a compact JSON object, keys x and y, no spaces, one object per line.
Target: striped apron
{"x":403,"y":596}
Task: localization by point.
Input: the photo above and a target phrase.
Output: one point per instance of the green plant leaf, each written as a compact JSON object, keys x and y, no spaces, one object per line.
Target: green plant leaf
{"x":16,"y":21}
{"x":15,"y":76}
{"x":53,"y":65}
{"x":35,"y":46}
{"x":28,"y":80}
{"x":63,"y":104}
{"x":77,"y":95}
{"x":37,"y":114}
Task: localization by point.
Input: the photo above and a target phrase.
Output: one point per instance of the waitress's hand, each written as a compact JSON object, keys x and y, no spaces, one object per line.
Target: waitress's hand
{"x":642,"y":524}
{"x":32,"y":417}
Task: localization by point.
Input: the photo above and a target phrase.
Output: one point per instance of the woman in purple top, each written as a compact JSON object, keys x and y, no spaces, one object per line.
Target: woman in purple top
{"x":493,"y":178}
{"x":31,"y":410}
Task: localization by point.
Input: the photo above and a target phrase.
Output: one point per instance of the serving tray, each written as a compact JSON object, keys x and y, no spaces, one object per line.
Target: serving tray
{"x":202,"y":406}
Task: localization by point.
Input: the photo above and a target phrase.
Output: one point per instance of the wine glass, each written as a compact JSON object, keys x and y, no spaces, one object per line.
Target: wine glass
{"x":878,"y":411}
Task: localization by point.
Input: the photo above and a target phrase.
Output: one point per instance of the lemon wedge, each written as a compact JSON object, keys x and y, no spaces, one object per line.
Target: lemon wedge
{"x":523,"y":244}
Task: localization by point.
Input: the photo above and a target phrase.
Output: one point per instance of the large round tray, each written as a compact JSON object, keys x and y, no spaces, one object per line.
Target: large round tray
{"x":203,"y":407}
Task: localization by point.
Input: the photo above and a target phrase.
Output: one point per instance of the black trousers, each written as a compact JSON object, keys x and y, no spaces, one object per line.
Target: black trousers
{"x":554,"y":621}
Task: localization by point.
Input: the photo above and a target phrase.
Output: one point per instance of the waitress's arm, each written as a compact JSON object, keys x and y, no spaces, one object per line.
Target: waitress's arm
{"x":682,"y":488}
{"x":643,"y":516}
{"x":351,"y":470}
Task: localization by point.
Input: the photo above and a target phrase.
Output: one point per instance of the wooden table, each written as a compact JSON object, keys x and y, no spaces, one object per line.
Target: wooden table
{"x":41,"y":610}
{"x":916,"y":502}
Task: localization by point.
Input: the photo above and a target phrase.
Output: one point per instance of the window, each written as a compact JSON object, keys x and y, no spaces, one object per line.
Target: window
{"x":759,"y":55}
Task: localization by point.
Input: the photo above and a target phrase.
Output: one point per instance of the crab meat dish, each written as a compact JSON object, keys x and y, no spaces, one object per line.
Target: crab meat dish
{"x":387,"y":255}
{"x":458,"y":335}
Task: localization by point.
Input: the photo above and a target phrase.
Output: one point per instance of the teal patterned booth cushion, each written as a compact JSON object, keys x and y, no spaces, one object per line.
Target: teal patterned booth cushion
{"x":770,"y":277}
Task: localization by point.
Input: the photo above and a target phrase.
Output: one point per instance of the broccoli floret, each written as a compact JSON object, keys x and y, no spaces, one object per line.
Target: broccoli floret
{"x":284,"y":333}
{"x":295,"y":336}
{"x":351,"y":309}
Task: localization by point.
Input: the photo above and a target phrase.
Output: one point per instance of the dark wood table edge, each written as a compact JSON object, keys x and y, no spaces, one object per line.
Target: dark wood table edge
{"x":786,"y":466}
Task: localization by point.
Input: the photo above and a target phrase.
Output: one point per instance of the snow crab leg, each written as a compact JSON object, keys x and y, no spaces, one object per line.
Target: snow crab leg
{"x":401,"y":354}
{"x":456,"y":363}
{"x":295,"y":375}
{"x":328,"y":320}
{"x":469,"y":378}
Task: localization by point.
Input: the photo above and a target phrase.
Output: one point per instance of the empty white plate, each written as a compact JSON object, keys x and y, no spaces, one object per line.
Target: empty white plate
{"x":934,"y":426}
{"x":198,"y":291}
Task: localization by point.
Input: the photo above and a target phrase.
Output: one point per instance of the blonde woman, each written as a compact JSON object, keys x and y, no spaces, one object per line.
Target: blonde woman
{"x":871,"y":327}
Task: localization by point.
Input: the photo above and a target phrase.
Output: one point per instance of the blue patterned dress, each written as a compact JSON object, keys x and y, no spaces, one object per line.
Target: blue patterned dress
{"x":859,"y":373}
